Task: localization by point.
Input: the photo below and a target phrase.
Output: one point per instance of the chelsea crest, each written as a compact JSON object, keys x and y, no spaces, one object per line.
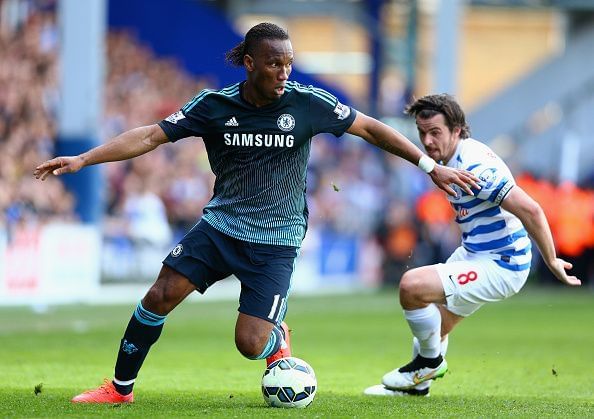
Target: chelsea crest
{"x":286,"y":122}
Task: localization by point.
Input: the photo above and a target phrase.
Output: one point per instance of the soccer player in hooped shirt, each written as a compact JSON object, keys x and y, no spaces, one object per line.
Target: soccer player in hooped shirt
{"x":493,"y":260}
{"x":257,"y":135}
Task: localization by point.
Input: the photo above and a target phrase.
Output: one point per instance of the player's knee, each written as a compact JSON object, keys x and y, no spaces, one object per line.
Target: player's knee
{"x":159,"y":299}
{"x":249,"y":345}
{"x":167,"y":292}
{"x":153,"y":300}
{"x":410,"y":287}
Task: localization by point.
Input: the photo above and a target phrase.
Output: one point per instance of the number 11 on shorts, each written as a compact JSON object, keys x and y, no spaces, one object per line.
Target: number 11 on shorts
{"x":276,"y":307}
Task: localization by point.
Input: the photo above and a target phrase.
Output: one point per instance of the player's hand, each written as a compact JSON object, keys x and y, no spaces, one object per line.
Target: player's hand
{"x":58,"y":166}
{"x":559,"y":268}
{"x":444,"y":176}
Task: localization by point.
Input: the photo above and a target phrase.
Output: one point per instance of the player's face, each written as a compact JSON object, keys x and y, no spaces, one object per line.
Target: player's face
{"x":269,"y":69}
{"x":439,"y":142}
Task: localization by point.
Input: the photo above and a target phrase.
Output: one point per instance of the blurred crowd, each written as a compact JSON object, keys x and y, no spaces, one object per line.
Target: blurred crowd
{"x":28,"y":106}
{"x":375,"y":208}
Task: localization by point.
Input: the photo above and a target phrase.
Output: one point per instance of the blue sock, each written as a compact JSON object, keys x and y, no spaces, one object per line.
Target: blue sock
{"x":143,"y":330}
{"x":274,"y":343}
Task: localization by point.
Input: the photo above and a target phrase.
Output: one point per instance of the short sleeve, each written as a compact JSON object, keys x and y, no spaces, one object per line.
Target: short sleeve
{"x":495,"y":182}
{"x":328,"y":114}
{"x":190,"y":120}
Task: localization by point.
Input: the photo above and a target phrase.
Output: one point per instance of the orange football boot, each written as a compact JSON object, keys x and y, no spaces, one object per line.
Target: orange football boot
{"x":106,"y":393}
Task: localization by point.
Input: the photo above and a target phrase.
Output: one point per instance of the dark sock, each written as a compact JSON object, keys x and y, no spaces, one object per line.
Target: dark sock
{"x":421,"y":362}
{"x":143,"y":330}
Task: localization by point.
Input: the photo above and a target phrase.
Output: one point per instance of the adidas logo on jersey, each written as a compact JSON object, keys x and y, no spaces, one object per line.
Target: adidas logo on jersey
{"x":232,"y":122}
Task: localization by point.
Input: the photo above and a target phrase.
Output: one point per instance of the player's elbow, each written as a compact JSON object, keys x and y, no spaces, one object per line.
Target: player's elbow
{"x":532,"y":209}
{"x":531,"y":212}
{"x":153,"y":136}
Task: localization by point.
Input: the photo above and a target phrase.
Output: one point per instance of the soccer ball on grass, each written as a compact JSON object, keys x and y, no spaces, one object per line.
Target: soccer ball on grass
{"x":289,"y":382}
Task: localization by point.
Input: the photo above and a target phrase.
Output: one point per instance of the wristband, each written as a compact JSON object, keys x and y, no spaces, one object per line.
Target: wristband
{"x":426,"y":164}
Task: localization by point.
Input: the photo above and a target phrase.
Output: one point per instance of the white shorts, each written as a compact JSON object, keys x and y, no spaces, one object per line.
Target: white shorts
{"x":471,"y":280}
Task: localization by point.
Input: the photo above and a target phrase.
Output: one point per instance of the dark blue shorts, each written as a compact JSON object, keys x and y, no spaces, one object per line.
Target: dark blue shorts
{"x":205,"y":256}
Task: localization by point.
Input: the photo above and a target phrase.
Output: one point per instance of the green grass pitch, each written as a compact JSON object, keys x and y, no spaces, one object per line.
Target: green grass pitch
{"x":529,"y":356}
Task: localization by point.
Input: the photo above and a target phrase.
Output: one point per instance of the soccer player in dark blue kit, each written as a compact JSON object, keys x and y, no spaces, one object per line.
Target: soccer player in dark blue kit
{"x":258,"y":136}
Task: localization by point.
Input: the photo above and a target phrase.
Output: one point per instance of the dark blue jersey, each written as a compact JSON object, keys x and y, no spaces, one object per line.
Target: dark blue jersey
{"x":259,"y":156}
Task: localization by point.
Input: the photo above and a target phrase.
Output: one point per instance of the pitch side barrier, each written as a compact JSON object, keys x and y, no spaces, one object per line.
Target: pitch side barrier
{"x":51,"y":264}
{"x":67,"y":263}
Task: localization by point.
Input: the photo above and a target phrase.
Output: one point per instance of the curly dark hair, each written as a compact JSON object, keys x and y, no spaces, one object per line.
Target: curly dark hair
{"x":430,"y":105}
{"x":252,"y":39}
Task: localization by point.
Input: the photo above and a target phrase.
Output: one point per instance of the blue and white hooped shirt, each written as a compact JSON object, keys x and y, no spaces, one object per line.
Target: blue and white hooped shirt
{"x":486,"y":227}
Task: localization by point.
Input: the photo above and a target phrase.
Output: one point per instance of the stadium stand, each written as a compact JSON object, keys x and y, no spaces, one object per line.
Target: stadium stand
{"x":379,"y":213}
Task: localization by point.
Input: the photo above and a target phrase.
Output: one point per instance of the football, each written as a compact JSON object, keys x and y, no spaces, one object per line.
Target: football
{"x":289,"y":382}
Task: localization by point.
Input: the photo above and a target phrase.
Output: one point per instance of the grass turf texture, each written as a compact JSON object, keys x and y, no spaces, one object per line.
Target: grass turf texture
{"x":529,"y":356}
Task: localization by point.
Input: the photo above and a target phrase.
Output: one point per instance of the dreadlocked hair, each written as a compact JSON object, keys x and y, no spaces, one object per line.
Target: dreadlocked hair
{"x":431,"y":105}
{"x":252,"y":39}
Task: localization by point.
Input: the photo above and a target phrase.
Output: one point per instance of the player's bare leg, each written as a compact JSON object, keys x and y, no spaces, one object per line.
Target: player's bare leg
{"x":143,"y":331}
{"x":449,"y":320}
{"x":256,"y":338}
{"x":421,"y":292}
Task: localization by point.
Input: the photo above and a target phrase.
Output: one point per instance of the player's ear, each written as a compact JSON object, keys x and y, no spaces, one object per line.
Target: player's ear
{"x":248,"y":62}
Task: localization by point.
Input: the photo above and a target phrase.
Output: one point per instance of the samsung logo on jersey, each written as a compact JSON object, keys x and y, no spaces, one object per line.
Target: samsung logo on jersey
{"x":259,"y":140}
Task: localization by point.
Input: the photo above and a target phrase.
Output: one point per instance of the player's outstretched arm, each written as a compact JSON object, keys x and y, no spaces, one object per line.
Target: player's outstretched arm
{"x":125,"y":146}
{"x":387,"y":138}
{"x":519,"y":203}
